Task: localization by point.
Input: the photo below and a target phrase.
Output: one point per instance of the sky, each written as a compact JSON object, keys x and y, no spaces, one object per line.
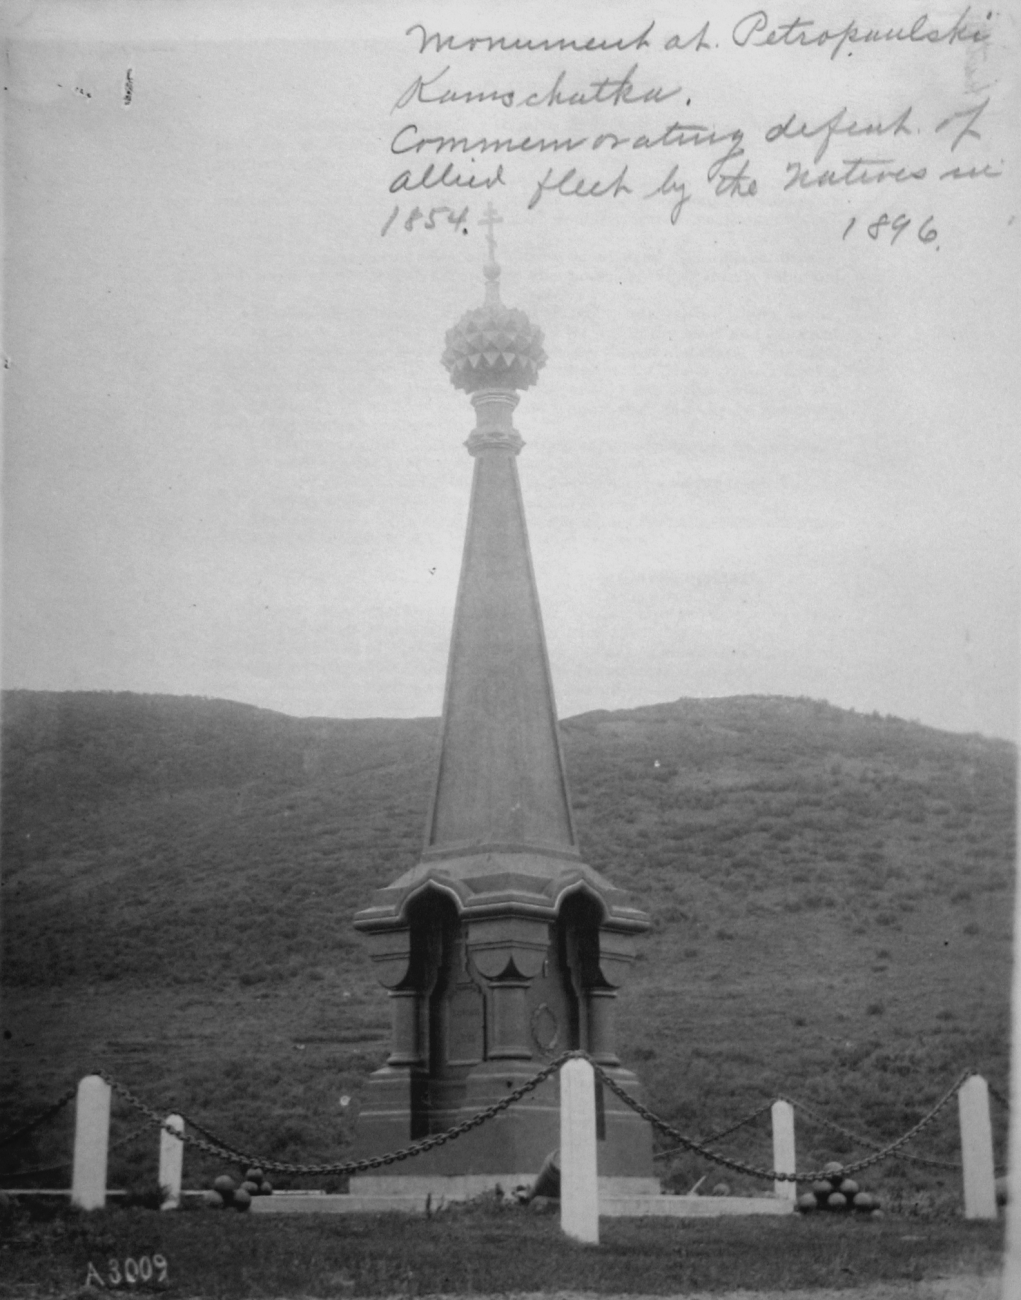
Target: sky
{"x":774,"y":449}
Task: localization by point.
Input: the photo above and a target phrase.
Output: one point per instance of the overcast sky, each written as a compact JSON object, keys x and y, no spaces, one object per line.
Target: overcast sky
{"x":766,"y":455}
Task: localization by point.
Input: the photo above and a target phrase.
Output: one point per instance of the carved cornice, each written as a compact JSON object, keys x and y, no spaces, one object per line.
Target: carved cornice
{"x":494,"y":885}
{"x":476,"y":850}
{"x":494,"y":440}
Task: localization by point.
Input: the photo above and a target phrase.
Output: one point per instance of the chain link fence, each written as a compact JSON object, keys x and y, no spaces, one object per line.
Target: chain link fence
{"x":720,"y":1134}
{"x":774,"y":1175}
{"x":802,"y":1108}
{"x":232,"y":1154}
{"x":7,"y":1139}
{"x":119,"y":1145}
{"x":202,"y":1139}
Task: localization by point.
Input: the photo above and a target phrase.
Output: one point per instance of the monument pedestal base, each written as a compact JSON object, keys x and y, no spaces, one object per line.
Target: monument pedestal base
{"x":463,"y":1187}
{"x":512,"y":1145}
{"x":618,"y":1198}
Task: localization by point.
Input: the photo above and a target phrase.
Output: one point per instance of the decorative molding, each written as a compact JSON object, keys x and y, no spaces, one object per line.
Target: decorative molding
{"x":494,"y":440}
{"x":545,"y":1029}
{"x":473,"y":849}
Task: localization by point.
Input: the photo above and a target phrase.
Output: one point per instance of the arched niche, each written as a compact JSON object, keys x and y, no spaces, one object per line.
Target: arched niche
{"x":471,"y":994}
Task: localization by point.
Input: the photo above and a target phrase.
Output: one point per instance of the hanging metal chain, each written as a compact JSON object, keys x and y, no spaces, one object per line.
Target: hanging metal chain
{"x":225,"y":1152}
{"x":39,"y":1169}
{"x":211,"y":1137}
{"x":803,"y":1108}
{"x":720,"y":1134}
{"x":128,"y":1138}
{"x":45,"y":1115}
{"x":774,"y":1175}
{"x":995,"y":1092}
{"x":351,"y":1166}
{"x":124,"y":1141}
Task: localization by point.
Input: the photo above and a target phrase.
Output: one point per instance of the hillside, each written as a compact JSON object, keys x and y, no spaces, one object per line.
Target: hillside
{"x":831,"y":895}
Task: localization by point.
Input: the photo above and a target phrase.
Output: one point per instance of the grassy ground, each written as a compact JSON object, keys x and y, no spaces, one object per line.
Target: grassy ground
{"x":831,"y":898}
{"x":480,"y":1248}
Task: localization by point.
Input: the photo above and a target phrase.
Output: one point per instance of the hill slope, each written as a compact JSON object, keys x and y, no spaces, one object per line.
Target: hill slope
{"x":831,"y":896}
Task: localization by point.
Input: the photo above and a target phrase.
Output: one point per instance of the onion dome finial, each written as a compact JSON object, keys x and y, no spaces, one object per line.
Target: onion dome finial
{"x":493,"y":346}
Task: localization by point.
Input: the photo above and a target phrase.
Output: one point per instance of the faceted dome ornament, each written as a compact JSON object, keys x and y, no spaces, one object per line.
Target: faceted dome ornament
{"x":493,"y":346}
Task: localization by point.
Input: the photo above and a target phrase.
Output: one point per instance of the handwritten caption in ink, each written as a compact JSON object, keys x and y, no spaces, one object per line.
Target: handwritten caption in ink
{"x":639,"y":132}
{"x":884,"y":224}
{"x":459,"y":220}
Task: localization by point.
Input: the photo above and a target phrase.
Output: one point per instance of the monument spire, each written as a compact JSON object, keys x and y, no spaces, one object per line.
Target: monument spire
{"x":500,"y":947}
{"x":500,"y":809}
{"x":501,"y":779}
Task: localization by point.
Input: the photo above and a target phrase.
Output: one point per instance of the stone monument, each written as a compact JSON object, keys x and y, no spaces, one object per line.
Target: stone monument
{"x":501,"y":948}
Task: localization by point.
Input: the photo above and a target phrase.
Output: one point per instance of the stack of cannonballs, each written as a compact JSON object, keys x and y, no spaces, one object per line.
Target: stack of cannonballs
{"x":227,"y":1193}
{"x":837,"y":1193}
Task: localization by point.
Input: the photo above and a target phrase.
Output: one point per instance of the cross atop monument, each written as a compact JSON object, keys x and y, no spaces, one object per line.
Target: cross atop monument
{"x":500,"y":946}
{"x":491,"y":270}
{"x":491,"y":220}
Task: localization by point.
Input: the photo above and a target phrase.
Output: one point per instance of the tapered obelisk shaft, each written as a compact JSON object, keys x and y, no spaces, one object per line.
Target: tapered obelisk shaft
{"x":501,"y":776}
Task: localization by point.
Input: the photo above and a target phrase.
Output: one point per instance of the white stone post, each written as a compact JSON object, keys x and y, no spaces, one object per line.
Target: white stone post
{"x":977,"y":1149}
{"x":171,"y":1162}
{"x":783,"y":1150}
{"x":1011,"y":1281}
{"x":91,"y":1138}
{"x":579,"y":1181}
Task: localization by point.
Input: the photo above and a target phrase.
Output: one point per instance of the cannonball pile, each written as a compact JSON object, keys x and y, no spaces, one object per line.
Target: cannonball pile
{"x":226,"y":1193}
{"x":837,"y":1193}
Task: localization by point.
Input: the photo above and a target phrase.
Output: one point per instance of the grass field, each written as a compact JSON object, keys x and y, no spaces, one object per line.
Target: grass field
{"x":831,"y":896}
{"x":482,"y":1248}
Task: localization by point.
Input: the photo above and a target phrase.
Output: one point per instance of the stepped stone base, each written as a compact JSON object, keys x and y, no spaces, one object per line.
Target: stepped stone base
{"x":517,"y":1140}
{"x":691,"y":1207}
{"x":462,"y":1187}
{"x":340,"y":1204}
{"x":413,"y":1194}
